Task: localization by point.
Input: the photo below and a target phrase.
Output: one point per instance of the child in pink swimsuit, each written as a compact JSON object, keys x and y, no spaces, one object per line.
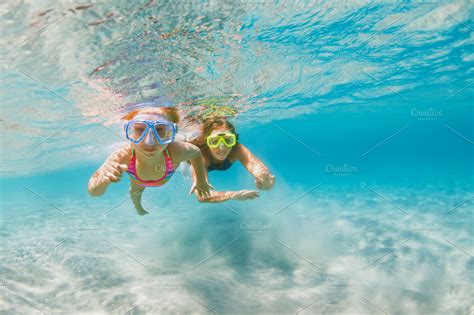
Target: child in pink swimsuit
{"x":151,"y":157}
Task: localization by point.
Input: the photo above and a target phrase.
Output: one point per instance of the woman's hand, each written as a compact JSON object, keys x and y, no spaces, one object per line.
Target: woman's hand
{"x":202,"y":188}
{"x":265,"y":181}
{"x":245,"y":195}
{"x":113,"y":172}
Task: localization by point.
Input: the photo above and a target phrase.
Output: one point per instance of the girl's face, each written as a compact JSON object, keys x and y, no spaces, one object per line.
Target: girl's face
{"x":221,"y":152}
{"x":150,"y":145}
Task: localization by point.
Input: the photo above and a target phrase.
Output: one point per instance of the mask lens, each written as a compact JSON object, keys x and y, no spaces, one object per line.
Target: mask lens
{"x":229,"y":140}
{"x":213,"y":141}
{"x":165,"y":131}
{"x":136,"y":130}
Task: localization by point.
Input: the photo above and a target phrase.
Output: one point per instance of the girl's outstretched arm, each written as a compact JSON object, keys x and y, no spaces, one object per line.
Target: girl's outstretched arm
{"x":264,"y":179}
{"x":110,"y":171}
{"x":190,"y":152}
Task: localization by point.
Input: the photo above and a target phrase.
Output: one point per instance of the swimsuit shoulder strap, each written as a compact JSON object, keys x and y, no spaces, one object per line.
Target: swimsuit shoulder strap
{"x":168,"y":161}
{"x":132,"y":163}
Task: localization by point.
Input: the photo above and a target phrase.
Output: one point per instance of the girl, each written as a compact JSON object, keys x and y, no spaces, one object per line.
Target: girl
{"x":151,"y":157}
{"x":220,"y":148}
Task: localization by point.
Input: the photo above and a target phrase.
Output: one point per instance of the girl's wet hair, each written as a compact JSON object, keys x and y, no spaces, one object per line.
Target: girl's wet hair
{"x":171,"y":113}
{"x":210,"y":125}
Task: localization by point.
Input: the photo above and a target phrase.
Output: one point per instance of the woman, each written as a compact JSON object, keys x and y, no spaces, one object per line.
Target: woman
{"x":220,"y":147}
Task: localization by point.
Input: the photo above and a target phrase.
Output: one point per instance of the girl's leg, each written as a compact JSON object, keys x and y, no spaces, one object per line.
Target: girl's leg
{"x":136,"y":196}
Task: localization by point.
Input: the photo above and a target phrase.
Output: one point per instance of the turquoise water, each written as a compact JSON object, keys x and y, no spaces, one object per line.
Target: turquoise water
{"x":362,"y":110}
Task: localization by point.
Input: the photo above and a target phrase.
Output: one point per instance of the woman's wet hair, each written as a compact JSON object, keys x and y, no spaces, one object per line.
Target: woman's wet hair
{"x":171,"y":113}
{"x":208,"y":126}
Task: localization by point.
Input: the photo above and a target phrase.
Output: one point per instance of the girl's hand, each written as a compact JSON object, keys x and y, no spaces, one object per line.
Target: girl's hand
{"x":113,"y":172}
{"x":246,"y":195}
{"x":202,"y":189}
{"x":265,"y":181}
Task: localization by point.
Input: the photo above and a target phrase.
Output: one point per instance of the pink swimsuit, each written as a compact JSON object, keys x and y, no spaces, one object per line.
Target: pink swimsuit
{"x":132,"y":171}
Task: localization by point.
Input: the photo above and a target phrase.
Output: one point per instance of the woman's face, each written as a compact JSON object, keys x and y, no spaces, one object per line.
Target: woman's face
{"x":149,"y":145}
{"x":221,"y":152}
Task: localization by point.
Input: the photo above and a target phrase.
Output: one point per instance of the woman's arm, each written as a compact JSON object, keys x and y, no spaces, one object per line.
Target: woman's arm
{"x":264,"y":179}
{"x":110,"y":171}
{"x":221,"y":196}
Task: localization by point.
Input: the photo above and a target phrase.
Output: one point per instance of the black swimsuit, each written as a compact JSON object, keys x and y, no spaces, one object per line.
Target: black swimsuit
{"x":219,"y":167}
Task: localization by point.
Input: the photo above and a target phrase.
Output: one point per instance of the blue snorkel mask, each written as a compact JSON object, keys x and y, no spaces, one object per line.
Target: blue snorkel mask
{"x":164,"y":131}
